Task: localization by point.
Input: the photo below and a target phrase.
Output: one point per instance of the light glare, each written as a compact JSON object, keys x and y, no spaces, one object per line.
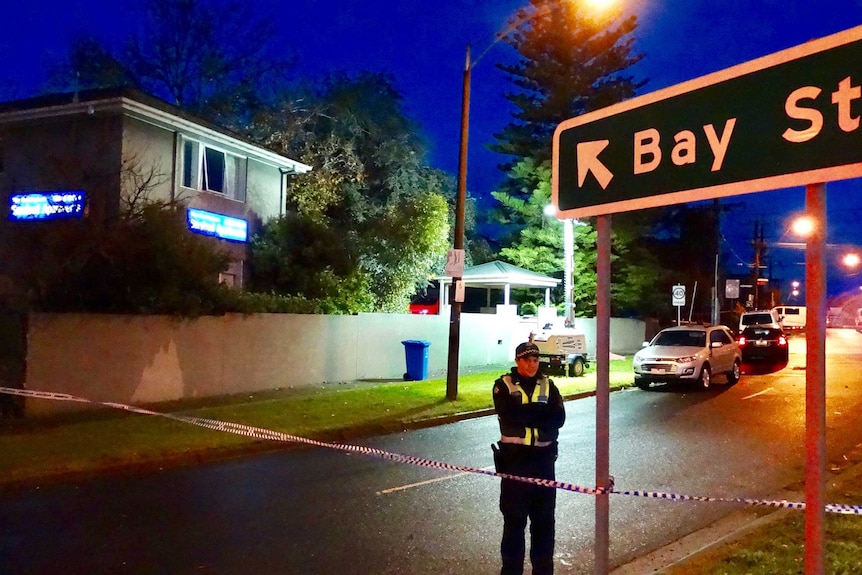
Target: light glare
{"x":804,"y":226}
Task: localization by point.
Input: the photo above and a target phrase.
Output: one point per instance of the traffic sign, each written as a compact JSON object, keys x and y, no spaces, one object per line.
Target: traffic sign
{"x":678,"y":295}
{"x":788,"y":119}
{"x":731,"y":289}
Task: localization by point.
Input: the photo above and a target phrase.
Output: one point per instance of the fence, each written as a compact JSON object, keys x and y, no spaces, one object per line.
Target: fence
{"x":147,"y":359}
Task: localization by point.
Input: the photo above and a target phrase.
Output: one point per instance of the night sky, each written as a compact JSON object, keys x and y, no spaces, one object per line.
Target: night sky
{"x":422,"y":44}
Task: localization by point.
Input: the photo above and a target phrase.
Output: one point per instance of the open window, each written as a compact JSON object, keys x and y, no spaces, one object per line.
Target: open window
{"x":205,"y":168}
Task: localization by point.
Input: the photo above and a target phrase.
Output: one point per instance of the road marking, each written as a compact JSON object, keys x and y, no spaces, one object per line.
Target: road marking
{"x":427,"y":482}
{"x":767,"y":390}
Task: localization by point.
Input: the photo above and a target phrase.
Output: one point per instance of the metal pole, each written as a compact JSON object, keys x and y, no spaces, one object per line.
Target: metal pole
{"x":569,"y":254}
{"x":716,"y":316}
{"x":603,"y":353}
{"x":455,"y":316}
{"x":815,"y":379}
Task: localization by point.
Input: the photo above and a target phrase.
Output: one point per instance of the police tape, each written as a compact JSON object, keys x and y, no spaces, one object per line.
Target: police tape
{"x":268,"y":434}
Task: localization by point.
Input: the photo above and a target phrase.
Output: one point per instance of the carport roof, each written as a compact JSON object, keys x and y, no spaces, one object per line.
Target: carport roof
{"x":499,"y":274}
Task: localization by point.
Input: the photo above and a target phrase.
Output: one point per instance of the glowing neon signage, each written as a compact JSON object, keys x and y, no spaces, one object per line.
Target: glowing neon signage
{"x":47,"y":205}
{"x":217,"y":225}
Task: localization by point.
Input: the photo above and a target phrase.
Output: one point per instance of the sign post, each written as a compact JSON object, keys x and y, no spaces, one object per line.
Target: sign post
{"x":784,"y":120}
{"x":678,"y":297}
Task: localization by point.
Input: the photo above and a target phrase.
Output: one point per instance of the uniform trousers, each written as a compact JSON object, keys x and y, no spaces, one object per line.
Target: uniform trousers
{"x":520,"y":502}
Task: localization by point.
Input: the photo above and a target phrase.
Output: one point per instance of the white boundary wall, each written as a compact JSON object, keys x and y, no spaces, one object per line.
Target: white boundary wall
{"x":144,"y":359}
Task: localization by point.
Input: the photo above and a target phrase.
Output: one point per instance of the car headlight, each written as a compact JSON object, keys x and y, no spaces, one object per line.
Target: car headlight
{"x":686,"y":359}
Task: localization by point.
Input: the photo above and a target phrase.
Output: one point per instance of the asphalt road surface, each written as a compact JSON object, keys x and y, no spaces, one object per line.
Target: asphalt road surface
{"x":321,"y":511}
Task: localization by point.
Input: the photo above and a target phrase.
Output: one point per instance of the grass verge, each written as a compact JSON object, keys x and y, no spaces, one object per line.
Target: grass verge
{"x":777,"y":547}
{"x":97,"y":440}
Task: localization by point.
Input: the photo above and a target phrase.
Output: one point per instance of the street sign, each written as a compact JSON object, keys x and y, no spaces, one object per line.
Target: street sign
{"x":678,"y":295}
{"x":731,"y":289}
{"x":788,"y":119}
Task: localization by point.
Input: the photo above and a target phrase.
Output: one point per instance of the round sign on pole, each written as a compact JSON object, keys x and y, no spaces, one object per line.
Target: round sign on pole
{"x":678,"y":294}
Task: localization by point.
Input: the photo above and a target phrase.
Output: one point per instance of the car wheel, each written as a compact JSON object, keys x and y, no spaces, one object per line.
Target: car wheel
{"x":576,"y":368}
{"x":642,"y":384}
{"x":705,"y":377}
{"x":733,"y":374}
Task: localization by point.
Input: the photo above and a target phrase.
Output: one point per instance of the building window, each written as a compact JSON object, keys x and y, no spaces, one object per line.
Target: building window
{"x":213,"y":170}
{"x":190,"y":164}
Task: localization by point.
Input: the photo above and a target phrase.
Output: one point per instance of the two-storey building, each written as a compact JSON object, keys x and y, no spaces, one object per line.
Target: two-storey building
{"x":80,"y":155}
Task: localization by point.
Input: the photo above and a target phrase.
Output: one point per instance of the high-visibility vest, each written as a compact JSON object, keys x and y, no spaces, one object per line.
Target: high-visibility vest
{"x":517,"y":434}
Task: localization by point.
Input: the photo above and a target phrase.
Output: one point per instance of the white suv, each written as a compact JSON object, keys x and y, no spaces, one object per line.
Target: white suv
{"x":688,"y":354}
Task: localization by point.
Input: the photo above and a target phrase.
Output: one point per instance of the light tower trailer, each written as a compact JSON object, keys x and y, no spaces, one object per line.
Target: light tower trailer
{"x":562,"y":353}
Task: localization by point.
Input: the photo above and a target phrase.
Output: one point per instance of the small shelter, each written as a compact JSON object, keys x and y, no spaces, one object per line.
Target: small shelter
{"x":499,"y":275}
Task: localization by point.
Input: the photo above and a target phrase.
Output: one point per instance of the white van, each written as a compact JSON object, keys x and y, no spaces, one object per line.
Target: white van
{"x":792,"y":316}
{"x":762,"y":317}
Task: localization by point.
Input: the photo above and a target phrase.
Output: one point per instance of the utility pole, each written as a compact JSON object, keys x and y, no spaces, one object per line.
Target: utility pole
{"x":759,"y":249}
{"x":718,"y":208}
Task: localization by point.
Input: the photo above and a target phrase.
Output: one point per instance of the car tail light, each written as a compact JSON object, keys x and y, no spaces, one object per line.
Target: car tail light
{"x":782,"y":340}
{"x":741,"y":341}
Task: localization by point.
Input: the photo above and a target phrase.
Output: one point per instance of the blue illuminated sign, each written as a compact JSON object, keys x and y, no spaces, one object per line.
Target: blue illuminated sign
{"x":224,"y":227}
{"x":47,"y":205}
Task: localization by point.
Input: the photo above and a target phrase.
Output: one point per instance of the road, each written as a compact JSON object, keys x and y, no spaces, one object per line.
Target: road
{"x":320,"y":511}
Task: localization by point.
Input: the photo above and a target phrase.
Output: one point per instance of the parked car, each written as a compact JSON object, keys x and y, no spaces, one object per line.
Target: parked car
{"x":426,"y":301}
{"x":763,"y":317}
{"x":688,"y":354}
{"x":793,"y":317}
{"x":764,"y":344}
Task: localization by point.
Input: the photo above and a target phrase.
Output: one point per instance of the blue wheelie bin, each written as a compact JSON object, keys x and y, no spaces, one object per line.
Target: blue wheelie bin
{"x":416,"y":351}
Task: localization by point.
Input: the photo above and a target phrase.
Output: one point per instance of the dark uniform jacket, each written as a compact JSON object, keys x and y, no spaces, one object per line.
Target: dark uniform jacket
{"x":530,"y":412}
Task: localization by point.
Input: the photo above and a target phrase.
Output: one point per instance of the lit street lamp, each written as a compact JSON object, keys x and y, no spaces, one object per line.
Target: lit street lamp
{"x":461,"y":197}
{"x":461,"y":201}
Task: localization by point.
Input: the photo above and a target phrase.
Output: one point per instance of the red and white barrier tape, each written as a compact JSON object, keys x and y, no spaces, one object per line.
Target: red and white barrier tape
{"x":267,"y":434}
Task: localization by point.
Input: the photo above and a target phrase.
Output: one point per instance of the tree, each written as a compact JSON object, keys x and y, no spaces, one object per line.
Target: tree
{"x":144,"y":261}
{"x":213,"y":59}
{"x":386,"y":209}
{"x":570,"y":64}
{"x":87,"y":65}
{"x":539,"y":245}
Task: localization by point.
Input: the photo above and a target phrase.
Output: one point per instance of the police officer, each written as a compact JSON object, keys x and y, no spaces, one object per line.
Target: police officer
{"x":530,"y":411}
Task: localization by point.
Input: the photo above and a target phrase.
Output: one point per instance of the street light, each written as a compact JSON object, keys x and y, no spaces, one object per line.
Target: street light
{"x":794,"y":285}
{"x":568,"y":263}
{"x":461,"y":201}
{"x":461,"y":197}
{"x":804,"y":226}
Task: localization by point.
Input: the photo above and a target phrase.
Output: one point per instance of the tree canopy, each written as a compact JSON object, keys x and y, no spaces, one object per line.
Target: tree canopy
{"x":570,"y":62}
{"x":213,"y":59}
{"x":385,"y":208}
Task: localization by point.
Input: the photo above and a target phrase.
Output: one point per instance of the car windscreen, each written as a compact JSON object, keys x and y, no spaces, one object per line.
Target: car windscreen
{"x":681,"y":338}
{"x":756,"y":318}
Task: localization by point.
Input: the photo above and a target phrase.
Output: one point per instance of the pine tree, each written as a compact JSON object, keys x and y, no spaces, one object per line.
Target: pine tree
{"x":571,"y":62}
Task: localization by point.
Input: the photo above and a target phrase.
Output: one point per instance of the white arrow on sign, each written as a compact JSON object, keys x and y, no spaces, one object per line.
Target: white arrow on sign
{"x":588,"y":161}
